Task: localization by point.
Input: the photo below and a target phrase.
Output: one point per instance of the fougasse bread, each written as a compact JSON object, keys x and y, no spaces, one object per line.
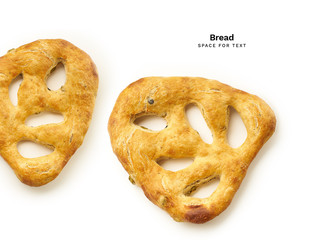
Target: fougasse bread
{"x":139,"y":149}
{"x":74,"y":100}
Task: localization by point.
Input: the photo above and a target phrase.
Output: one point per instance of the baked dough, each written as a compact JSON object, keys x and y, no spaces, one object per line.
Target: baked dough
{"x":75,"y":100}
{"x":139,"y":149}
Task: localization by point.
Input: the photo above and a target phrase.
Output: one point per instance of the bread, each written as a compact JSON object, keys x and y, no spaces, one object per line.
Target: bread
{"x":75,"y":100}
{"x":139,"y":150}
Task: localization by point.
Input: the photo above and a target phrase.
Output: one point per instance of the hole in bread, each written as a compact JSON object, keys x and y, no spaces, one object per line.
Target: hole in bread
{"x":198,"y":123}
{"x":203,"y":190}
{"x":29,"y":149}
{"x":151,"y":122}
{"x":174,"y":164}
{"x":44,"y":118}
{"x":57,"y":77}
{"x":13,"y":89}
{"x":237,"y":132}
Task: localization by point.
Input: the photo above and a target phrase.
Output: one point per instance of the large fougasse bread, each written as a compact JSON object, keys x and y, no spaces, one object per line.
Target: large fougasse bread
{"x":140,"y":149}
{"x":75,"y":100}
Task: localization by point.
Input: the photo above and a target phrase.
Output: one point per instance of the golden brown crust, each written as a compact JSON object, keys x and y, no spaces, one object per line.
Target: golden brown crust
{"x":75,"y":100}
{"x":139,"y":149}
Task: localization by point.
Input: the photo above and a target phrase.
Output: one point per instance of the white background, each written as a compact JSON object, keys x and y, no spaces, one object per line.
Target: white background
{"x":92,"y":197}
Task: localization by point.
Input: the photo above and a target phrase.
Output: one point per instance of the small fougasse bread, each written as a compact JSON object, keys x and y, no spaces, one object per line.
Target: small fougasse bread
{"x":139,"y":149}
{"x":74,"y":100}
